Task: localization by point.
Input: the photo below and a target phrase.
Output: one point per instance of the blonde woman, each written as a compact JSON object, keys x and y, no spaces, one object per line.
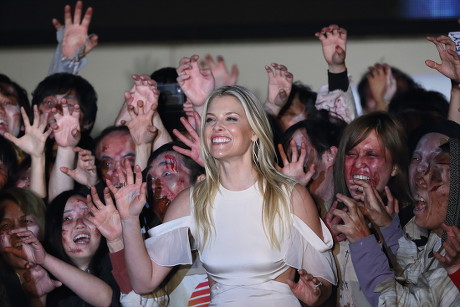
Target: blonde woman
{"x":252,"y":226}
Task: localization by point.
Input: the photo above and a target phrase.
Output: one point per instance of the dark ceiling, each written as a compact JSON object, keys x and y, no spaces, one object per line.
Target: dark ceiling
{"x":28,"y":22}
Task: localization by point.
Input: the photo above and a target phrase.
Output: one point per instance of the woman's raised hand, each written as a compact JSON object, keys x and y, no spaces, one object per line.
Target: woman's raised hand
{"x":131,"y":196}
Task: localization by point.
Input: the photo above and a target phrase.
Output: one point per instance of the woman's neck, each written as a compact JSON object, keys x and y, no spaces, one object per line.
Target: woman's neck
{"x":237,"y":176}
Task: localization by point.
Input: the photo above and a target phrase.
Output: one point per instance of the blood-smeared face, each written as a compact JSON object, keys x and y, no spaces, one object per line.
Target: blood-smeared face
{"x":10,"y":115}
{"x":80,"y":237}
{"x":167,"y":177}
{"x":429,"y":180}
{"x":112,"y":151}
{"x":12,"y":218}
{"x":369,"y":161}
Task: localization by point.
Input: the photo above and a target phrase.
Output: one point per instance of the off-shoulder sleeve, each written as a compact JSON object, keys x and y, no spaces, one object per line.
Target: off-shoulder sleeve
{"x":169,"y":243}
{"x":305,"y":250}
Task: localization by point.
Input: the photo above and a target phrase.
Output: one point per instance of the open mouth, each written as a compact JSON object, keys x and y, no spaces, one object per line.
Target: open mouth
{"x":420,"y":205}
{"x":82,"y":238}
{"x":4,"y":124}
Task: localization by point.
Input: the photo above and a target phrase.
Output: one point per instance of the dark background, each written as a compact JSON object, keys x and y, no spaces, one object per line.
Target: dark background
{"x":28,"y":22}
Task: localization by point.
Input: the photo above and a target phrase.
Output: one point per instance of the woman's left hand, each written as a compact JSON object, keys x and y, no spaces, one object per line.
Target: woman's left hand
{"x":451,"y":261}
{"x":37,"y":281}
{"x":355,"y":226}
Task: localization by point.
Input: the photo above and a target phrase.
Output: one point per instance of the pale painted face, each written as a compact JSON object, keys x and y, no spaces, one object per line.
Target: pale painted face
{"x":13,"y":217}
{"x":80,"y":237}
{"x":429,"y":178}
{"x":227,"y":131}
{"x":370,"y":161}
{"x":112,"y":152}
{"x":55,"y":101}
{"x":10,"y":115}
{"x":168,"y":176}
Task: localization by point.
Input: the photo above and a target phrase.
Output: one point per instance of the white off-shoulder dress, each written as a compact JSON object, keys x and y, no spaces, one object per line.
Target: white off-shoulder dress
{"x":239,"y":257}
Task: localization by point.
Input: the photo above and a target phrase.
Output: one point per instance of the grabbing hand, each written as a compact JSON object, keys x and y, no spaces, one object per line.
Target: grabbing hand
{"x":140,"y":126}
{"x":220,"y":72}
{"x":334,"y":43}
{"x":450,"y":60}
{"x":193,"y":141}
{"x":307,"y":289}
{"x":85,"y":172}
{"x":37,"y":281}
{"x":34,"y":139}
{"x":373,"y":206}
{"x":355,"y":226}
{"x":196,"y":83}
{"x":279,"y":87}
{"x":382,"y":84}
{"x":105,"y":217}
{"x":144,"y":89}
{"x":131,"y":196}
{"x":67,"y":127}
{"x":451,"y":261}
{"x":76,"y":41}
{"x":295,"y":167}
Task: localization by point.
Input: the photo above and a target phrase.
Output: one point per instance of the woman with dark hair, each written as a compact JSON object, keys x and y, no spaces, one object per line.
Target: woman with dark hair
{"x":77,"y":255}
{"x":373,"y":151}
{"x":21,"y":209}
{"x":8,"y":163}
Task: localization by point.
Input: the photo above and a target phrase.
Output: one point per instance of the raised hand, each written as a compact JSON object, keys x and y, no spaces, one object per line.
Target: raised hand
{"x":193,"y":141}
{"x":219,"y":70}
{"x":382,"y":84}
{"x":197,"y":84}
{"x":37,"y":281}
{"x":332,"y":221}
{"x":295,"y":167}
{"x":67,"y":127}
{"x":140,"y":126}
{"x":450,"y":60}
{"x":279,"y":87}
{"x":105,"y":217}
{"x":131,"y":196}
{"x":85,"y":173}
{"x":32,"y":250}
{"x":451,"y":260}
{"x":307,"y":289}
{"x":334,"y":43}
{"x":144,"y":89}
{"x":75,"y":41}
{"x":355,"y":226}
{"x":34,"y":139}
{"x":373,"y":206}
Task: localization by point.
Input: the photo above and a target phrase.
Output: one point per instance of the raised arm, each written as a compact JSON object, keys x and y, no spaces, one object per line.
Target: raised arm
{"x":449,"y":67}
{"x":85,"y":171}
{"x":142,"y":131}
{"x":74,"y":43}
{"x":33,"y":143}
{"x":337,"y":97}
{"x":382,"y":85}
{"x":144,"y":274}
{"x":67,"y":135}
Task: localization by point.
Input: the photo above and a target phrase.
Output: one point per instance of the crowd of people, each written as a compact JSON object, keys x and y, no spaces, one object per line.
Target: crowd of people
{"x":200,"y":194}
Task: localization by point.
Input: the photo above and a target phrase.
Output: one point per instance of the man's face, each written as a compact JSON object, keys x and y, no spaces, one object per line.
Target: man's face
{"x":55,"y":101}
{"x":112,"y":152}
{"x":167,"y":177}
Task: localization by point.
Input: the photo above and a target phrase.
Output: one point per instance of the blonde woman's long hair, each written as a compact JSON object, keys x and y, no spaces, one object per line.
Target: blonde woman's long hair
{"x":275,"y":187}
